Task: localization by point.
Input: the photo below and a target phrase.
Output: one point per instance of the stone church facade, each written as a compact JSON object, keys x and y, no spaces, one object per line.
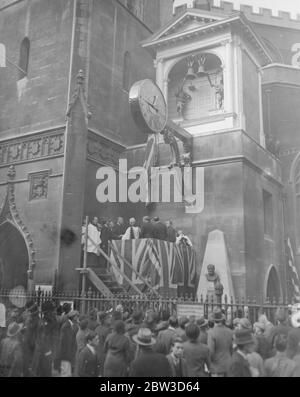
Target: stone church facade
{"x":240,"y":75}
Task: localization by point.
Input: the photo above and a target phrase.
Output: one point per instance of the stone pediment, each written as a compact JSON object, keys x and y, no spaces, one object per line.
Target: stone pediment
{"x":189,"y":20}
{"x":195,"y":23}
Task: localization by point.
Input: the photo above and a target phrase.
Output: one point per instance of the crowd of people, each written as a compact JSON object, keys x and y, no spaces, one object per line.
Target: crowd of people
{"x":57,"y":341}
{"x":100,"y":233}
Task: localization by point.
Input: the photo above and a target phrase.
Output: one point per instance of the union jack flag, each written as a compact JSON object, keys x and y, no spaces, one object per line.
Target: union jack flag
{"x":166,"y":266}
{"x":292,"y":273}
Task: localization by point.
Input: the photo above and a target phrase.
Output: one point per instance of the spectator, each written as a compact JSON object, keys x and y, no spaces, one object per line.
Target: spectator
{"x":261,"y":343}
{"x":45,"y":342}
{"x":67,"y":344}
{"x":88,"y":365}
{"x":166,"y":337}
{"x":177,"y":363}
{"x":160,"y":231}
{"x":93,"y":323}
{"x":281,"y":328}
{"x":103,"y":330}
{"x":244,"y":323}
{"x":11,"y":358}
{"x":280,"y":365}
{"x":171,"y":232}
{"x":117,"y":349}
{"x":132,"y":232}
{"x":195,"y":353}
{"x":239,"y":366}
{"x":220,"y":345}
{"x":80,"y":336}
{"x":202,"y":325}
{"x":182,"y":239}
{"x":180,"y":330}
{"x":147,"y":362}
{"x":147,"y":228}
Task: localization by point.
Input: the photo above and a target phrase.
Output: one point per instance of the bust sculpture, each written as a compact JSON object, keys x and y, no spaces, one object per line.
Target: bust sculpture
{"x":211,"y":274}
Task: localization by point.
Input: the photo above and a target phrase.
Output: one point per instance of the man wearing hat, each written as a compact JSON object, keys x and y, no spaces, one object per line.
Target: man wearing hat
{"x":45,"y":342}
{"x":11,"y":359}
{"x":239,"y":367}
{"x":148,"y":363}
{"x":220,"y":345}
{"x":67,"y":343}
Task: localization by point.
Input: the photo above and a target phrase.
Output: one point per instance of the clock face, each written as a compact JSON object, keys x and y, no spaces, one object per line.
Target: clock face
{"x":148,"y":106}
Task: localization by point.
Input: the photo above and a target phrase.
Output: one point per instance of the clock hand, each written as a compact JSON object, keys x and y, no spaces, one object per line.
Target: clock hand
{"x":150,"y":104}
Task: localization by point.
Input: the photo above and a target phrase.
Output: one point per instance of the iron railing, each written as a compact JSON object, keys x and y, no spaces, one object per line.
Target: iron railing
{"x":93,"y":300}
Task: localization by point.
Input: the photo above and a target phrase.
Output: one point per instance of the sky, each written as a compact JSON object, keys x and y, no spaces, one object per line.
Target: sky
{"x":292,"y":6}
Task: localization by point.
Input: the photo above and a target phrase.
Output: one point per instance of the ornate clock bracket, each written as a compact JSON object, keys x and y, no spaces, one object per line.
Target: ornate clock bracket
{"x":171,"y":133}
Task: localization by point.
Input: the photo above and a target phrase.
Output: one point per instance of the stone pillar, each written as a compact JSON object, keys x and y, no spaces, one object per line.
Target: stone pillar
{"x":228,"y":78}
{"x":73,"y":189}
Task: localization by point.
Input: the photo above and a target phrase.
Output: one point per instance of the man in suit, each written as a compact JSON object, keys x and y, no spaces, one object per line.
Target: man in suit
{"x":160,"y":231}
{"x":166,"y":337}
{"x":177,"y":362}
{"x":171,"y":232}
{"x":87,"y":360}
{"x":147,"y":362}
{"x":118,"y":229}
{"x":67,"y":343}
{"x":239,"y":367}
{"x":147,"y":228}
{"x":220,"y":345}
{"x":132,"y":232}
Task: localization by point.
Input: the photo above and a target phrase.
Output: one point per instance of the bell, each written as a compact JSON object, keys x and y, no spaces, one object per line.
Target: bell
{"x":201,"y":72}
{"x":190,"y":74}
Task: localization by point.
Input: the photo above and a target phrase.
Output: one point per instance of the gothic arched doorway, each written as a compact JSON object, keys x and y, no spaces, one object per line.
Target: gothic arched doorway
{"x":273,"y":290}
{"x":14,"y":259}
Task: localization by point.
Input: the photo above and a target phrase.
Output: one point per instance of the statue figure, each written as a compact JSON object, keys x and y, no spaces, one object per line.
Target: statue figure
{"x":211,"y":275}
{"x":182,"y":98}
{"x":215,"y":288}
{"x":219,"y":89}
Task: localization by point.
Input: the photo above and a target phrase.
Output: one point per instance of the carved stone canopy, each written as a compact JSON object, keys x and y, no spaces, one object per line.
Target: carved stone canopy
{"x":9,"y":213}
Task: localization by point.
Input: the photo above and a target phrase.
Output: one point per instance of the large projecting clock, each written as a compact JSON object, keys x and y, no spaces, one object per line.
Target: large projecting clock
{"x":148,"y":106}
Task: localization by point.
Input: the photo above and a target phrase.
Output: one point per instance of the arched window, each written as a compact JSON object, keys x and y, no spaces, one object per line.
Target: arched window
{"x":126,"y":71}
{"x":24,"y":58}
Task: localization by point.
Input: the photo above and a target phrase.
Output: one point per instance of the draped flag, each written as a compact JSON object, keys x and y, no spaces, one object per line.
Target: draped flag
{"x":169,"y":268}
{"x":292,"y":273}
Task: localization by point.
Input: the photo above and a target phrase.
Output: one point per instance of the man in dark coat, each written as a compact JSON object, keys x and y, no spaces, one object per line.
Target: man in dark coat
{"x":166,"y":337}
{"x":239,"y":367}
{"x":45,"y":342}
{"x":88,"y":365}
{"x":160,"y":231}
{"x":103,"y":330}
{"x":220,"y":345}
{"x":177,"y":363}
{"x":171,"y":232}
{"x":148,"y":364}
{"x":119,"y":229}
{"x":195,"y":353}
{"x":67,"y":343}
{"x":147,"y":228}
